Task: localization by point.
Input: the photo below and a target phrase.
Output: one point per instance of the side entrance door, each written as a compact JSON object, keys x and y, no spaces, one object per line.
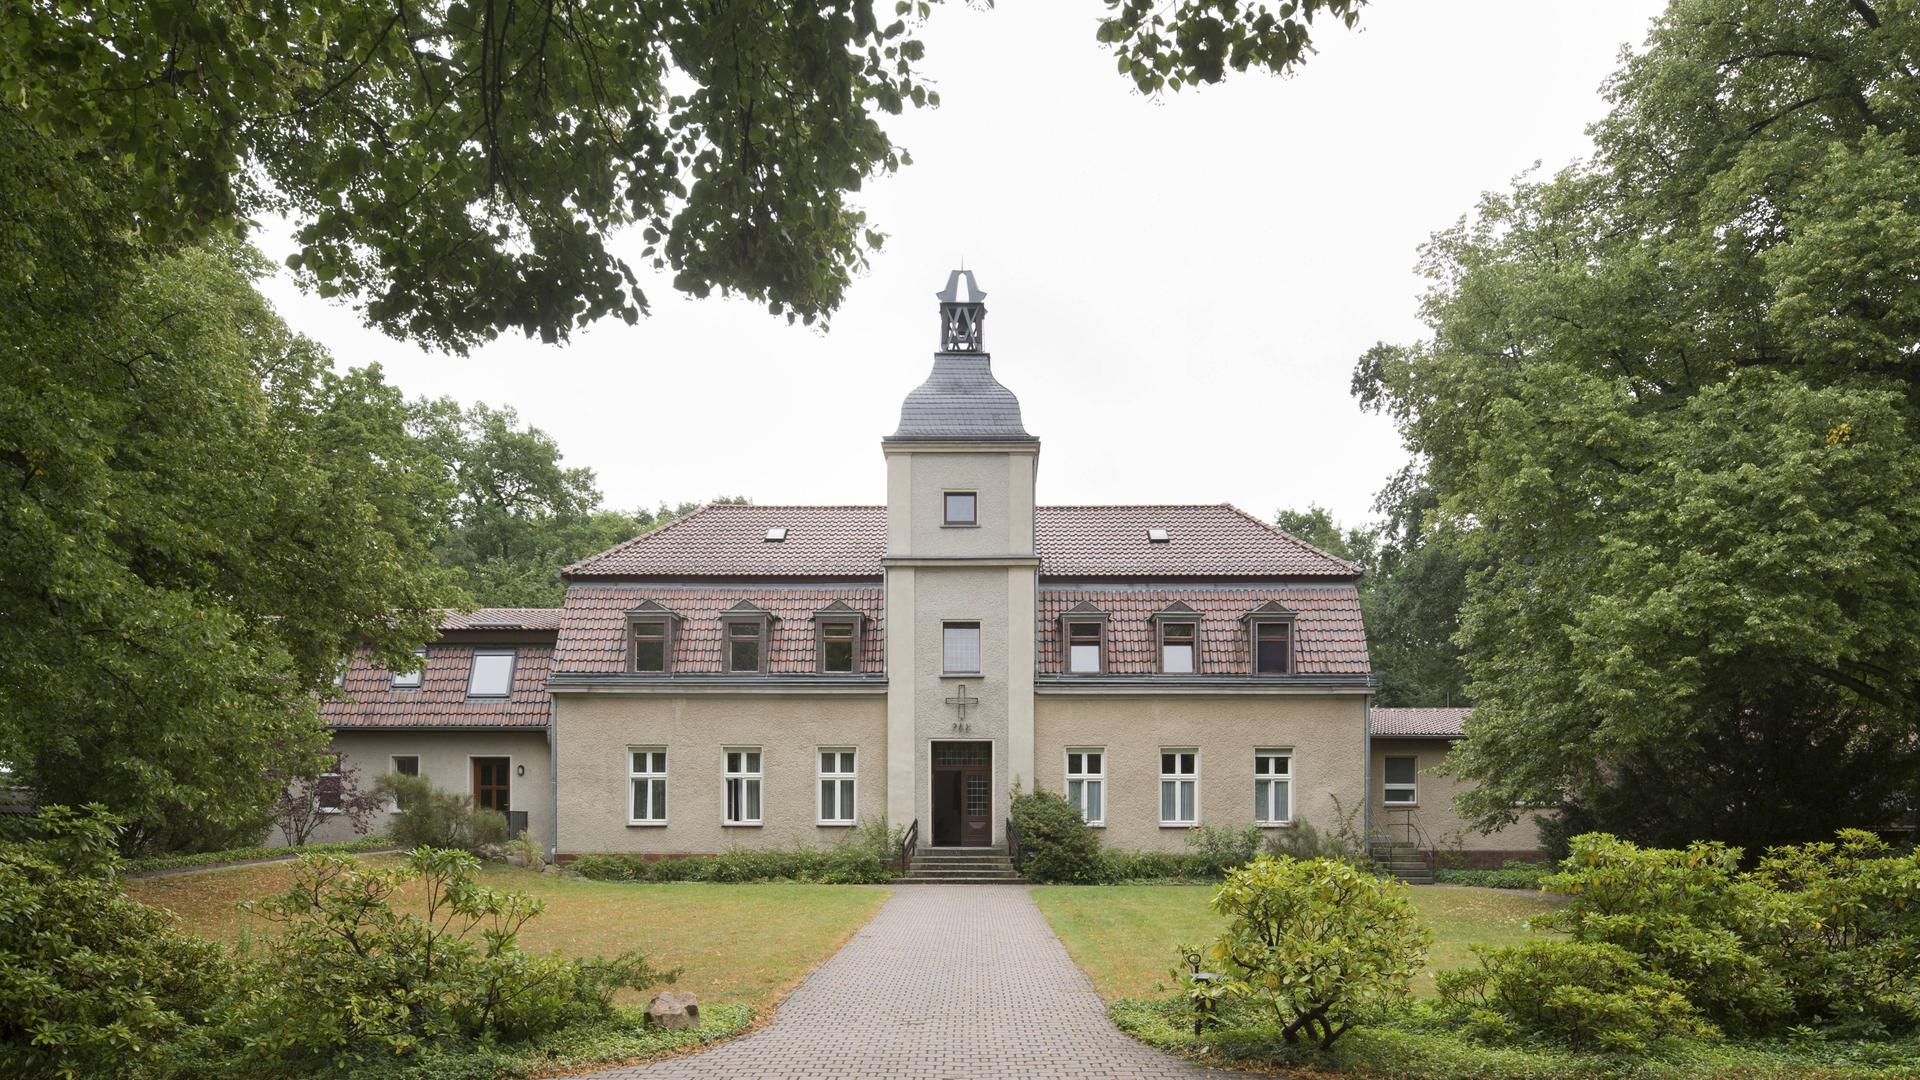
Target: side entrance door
{"x":492,"y":788}
{"x":962,"y":794}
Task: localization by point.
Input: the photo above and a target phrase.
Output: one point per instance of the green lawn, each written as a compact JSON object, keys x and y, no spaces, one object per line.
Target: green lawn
{"x":738,"y":943}
{"x":1124,"y":936}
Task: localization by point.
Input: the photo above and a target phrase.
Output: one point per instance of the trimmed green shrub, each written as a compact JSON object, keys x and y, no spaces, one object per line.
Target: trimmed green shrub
{"x":1118,"y":865}
{"x":1513,"y":874}
{"x":1219,"y":848}
{"x":1317,"y":944}
{"x":431,"y":817}
{"x":1056,"y":843}
{"x":866,"y":857}
{"x":92,"y":983}
{"x":351,"y":979}
{"x":1585,"y":994}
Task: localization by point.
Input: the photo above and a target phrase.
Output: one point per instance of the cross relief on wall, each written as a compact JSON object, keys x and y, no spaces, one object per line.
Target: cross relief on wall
{"x":962,"y":701}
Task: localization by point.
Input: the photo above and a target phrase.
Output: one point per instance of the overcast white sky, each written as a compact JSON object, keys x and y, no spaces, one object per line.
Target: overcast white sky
{"x":1177,"y":289}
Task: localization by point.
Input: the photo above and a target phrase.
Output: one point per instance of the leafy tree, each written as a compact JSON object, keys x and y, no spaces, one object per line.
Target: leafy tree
{"x":1669,"y":413}
{"x":199,"y":518}
{"x":518,"y":513}
{"x":1410,"y":595}
{"x":456,"y":168}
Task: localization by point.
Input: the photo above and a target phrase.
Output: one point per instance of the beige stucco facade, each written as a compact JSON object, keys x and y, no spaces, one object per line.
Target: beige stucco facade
{"x":595,"y":731}
{"x":939,"y":573}
{"x":1325,"y":732}
{"x":1439,"y":826}
{"x":446,"y":758}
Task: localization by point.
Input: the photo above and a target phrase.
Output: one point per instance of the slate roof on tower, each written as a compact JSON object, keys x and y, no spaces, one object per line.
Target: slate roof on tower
{"x":1087,"y":543}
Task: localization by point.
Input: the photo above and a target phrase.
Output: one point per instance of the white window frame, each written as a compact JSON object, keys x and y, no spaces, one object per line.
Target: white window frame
{"x":1096,"y":777}
{"x":393,"y":766}
{"x":846,"y":784}
{"x":473,"y":669}
{"x":414,"y":679}
{"x":650,"y":774}
{"x":1268,"y":778}
{"x":757,"y":777}
{"x":1387,"y":789}
{"x":979,"y":646}
{"x":1178,"y":778}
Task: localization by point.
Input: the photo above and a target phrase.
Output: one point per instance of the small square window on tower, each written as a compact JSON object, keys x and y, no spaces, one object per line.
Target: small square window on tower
{"x":962,"y":508}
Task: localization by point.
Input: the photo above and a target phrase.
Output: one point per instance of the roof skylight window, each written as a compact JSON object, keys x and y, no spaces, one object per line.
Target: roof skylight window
{"x":776,"y":534}
{"x":1156,"y":536}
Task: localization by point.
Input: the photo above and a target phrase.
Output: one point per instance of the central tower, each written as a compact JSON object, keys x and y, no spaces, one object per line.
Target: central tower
{"x":961,"y":576}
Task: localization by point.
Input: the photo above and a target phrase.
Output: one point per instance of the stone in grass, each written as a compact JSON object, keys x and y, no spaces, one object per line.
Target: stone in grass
{"x":674,"y":1009}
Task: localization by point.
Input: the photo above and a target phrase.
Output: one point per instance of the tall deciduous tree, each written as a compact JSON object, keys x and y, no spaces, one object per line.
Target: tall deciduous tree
{"x":456,"y":166}
{"x":199,"y":519}
{"x":1671,"y":406}
{"x":519,"y":514}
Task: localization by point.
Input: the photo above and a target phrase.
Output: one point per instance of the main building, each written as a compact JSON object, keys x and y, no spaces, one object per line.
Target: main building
{"x":771,"y":675}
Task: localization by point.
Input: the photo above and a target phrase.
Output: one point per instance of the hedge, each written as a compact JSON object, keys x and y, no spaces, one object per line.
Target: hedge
{"x":1513,"y":874}
{"x":251,"y":854}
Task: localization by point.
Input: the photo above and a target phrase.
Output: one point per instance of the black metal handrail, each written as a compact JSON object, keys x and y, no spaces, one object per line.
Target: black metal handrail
{"x":909,"y":843}
{"x":1013,"y":842}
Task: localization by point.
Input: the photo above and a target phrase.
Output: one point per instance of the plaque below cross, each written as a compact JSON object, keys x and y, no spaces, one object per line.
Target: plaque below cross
{"x":963,"y":701}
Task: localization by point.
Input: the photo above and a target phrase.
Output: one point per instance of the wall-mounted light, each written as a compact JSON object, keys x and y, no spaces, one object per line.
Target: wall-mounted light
{"x":519,"y":770}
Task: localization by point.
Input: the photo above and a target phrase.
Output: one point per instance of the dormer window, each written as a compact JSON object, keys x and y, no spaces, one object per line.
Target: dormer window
{"x":492,"y":674}
{"x":1085,"y":646}
{"x":1176,"y":634}
{"x":650,"y":639}
{"x":836,"y":646}
{"x":962,"y":508}
{"x":1083,"y":637}
{"x":1270,"y":638}
{"x":1272,"y":648}
{"x":745,"y":645}
{"x":1178,"y":647}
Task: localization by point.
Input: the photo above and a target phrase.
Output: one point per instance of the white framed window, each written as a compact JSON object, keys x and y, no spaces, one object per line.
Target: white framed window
{"x":838,"y":787}
{"x":1401,"y":787}
{"x":404,"y":765}
{"x":1273,"y":787}
{"x":492,"y":674}
{"x":1179,"y":648}
{"x":647,"y":780}
{"x":743,"y":779}
{"x":960,"y":648}
{"x":1179,"y":786}
{"x":1087,"y":782}
{"x":1085,"y":641}
{"x":410,"y":680}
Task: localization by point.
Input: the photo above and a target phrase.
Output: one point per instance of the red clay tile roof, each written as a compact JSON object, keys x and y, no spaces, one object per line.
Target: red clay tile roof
{"x":1095,"y":542}
{"x":371,"y":700}
{"x":593,"y":633}
{"x":1420,"y":723}
{"x":1084,"y":542}
{"x":503,"y":618}
{"x":1328,"y":639}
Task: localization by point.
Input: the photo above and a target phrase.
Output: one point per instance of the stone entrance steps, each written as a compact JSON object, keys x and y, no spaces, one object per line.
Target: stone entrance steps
{"x":1402,"y":860}
{"x":962,"y":866}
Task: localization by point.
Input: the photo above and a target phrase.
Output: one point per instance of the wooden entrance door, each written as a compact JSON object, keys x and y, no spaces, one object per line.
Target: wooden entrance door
{"x":963,"y":794}
{"x":492,"y":787}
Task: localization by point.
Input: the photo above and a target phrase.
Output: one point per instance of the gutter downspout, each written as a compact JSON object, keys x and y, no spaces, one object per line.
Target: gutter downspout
{"x":1366,"y":774}
{"x":553,"y":766}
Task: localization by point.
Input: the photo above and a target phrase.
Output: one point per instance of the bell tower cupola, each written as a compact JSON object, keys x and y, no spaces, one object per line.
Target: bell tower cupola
{"x":963,"y":314}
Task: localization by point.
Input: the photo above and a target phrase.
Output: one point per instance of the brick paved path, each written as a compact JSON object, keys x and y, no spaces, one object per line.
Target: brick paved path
{"x":948,"y":981}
